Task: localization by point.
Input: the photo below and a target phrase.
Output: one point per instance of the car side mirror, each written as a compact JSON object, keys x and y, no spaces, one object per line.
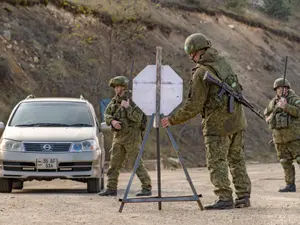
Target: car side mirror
{"x":104,"y":127}
{"x":2,"y":125}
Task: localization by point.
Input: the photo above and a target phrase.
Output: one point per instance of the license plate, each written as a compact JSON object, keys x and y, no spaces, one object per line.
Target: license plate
{"x":46,"y":164}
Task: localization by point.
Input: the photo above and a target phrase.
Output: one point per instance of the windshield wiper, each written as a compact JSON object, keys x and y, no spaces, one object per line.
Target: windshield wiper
{"x":80,"y":125}
{"x":53,"y":125}
{"x":28,"y":125}
{"x":42,"y":125}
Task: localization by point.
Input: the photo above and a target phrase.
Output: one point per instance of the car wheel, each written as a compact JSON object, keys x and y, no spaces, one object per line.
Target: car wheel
{"x":18,"y":185}
{"x":5,"y":185}
{"x":93,"y":185}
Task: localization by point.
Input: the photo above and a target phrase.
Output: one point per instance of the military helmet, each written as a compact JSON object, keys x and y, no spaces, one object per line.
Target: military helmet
{"x":118,"y":81}
{"x":196,"y":42}
{"x":279,"y":83}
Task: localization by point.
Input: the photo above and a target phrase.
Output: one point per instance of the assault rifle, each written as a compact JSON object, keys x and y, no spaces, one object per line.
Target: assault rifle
{"x":225,"y":88}
{"x":130,"y":85}
{"x":284,"y":76}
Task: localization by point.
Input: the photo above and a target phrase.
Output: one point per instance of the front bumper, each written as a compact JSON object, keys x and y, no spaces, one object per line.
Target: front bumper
{"x":69,"y":165}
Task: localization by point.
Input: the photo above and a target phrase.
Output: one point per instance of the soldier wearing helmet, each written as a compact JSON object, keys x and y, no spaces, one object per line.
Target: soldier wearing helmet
{"x":283,"y":116}
{"x":125,"y":118}
{"x":223,"y":131}
{"x":120,"y":81}
{"x":281,"y":82}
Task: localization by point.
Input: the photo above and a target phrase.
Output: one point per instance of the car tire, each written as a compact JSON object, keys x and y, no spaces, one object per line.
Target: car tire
{"x":18,"y":185}
{"x":94,"y":185}
{"x":5,"y":185}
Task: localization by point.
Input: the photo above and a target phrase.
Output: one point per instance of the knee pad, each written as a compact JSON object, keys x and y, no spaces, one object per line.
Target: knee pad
{"x":298,"y":159}
{"x":285,"y":162}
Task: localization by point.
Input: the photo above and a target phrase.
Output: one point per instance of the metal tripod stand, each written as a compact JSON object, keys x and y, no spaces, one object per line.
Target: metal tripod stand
{"x":159,"y":198}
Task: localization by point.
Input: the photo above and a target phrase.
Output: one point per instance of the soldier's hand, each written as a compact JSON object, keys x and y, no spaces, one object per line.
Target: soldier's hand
{"x":165,"y":122}
{"x":281,"y":103}
{"x":268,"y":118}
{"x":116,"y":124}
{"x":125,"y":104}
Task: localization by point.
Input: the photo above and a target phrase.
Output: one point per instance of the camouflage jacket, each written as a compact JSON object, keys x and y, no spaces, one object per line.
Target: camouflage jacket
{"x":130,"y":119}
{"x":291,"y":113}
{"x":203,"y":99}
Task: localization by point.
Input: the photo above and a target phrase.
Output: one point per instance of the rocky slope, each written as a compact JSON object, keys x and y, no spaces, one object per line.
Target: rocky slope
{"x":51,"y":51}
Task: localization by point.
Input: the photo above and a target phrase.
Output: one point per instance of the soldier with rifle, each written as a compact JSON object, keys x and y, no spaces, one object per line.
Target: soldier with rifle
{"x":215,"y":93}
{"x":127,"y":121}
{"x":283,"y":116}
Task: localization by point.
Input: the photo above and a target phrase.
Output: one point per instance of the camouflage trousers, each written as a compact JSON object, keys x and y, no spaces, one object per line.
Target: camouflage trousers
{"x":286,"y":153}
{"x":223,"y":152}
{"x":118,"y":154}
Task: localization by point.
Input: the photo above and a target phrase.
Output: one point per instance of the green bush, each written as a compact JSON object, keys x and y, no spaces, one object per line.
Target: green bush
{"x":279,"y":9}
{"x":236,"y":5}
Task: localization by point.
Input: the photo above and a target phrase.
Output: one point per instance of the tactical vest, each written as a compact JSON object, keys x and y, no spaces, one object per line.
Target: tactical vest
{"x":279,"y":119}
{"x":120,"y":114}
{"x":224,"y":72}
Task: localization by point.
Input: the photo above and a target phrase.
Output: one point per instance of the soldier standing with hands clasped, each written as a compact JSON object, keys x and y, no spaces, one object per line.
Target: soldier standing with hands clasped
{"x":127,"y":123}
{"x":283,"y":116}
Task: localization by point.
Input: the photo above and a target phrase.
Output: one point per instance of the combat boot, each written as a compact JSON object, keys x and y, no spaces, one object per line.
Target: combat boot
{"x":144,"y":192}
{"x":242,"y":202}
{"x":108,"y":192}
{"x":220,"y":204}
{"x":288,"y":188}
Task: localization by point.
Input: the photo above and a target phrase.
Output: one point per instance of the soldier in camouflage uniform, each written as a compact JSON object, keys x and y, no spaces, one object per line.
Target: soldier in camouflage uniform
{"x":125,"y":119}
{"x":223,"y":131}
{"x":283,"y":116}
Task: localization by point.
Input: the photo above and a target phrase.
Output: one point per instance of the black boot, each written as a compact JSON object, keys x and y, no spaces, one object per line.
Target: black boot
{"x":242,"y":202}
{"x":108,"y":192}
{"x":288,"y":188}
{"x":144,"y":192}
{"x":220,"y":204}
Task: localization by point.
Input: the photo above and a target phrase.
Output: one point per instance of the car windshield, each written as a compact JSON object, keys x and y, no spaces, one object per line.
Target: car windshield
{"x":52,"y":114}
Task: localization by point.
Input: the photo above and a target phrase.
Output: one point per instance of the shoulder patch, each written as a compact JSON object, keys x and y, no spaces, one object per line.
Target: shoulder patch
{"x":297,"y":101}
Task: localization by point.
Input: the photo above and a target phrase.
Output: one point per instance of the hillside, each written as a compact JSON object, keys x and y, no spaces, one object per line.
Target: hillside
{"x":53,"y":51}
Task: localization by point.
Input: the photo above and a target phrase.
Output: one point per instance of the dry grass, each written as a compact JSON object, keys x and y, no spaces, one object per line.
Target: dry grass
{"x":137,"y":9}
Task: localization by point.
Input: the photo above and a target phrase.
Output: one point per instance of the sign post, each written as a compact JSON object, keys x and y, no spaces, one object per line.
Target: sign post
{"x":157,"y":91}
{"x":157,"y":119}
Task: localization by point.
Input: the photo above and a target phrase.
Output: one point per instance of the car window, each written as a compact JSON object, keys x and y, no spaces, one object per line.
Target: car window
{"x":73,"y":114}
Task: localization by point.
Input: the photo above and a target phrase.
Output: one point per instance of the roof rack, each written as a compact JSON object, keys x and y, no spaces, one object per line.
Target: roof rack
{"x":81,"y":97}
{"x":30,"y":96}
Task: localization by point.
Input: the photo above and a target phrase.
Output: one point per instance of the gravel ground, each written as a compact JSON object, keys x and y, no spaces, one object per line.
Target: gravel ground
{"x":66,"y":202}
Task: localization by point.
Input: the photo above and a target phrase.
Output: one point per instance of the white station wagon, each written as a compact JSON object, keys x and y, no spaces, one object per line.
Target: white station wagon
{"x":49,"y":138}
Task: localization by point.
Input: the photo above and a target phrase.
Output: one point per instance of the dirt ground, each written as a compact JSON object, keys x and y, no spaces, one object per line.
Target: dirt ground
{"x":66,"y":202}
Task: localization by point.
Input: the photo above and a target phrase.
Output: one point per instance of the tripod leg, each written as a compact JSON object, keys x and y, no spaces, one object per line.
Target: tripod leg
{"x":184,"y":168}
{"x":158,"y":167}
{"x":136,"y":164}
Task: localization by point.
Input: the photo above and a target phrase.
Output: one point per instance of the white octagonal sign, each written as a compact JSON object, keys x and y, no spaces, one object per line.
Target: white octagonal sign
{"x":144,"y":90}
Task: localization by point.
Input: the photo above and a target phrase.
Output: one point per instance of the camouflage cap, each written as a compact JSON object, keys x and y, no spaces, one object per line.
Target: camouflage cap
{"x":118,"y":81}
{"x":196,"y":42}
{"x":279,"y":82}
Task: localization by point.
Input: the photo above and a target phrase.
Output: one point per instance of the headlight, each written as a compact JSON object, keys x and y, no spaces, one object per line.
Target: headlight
{"x":88,"y":145}
{"x":10,"y":145}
